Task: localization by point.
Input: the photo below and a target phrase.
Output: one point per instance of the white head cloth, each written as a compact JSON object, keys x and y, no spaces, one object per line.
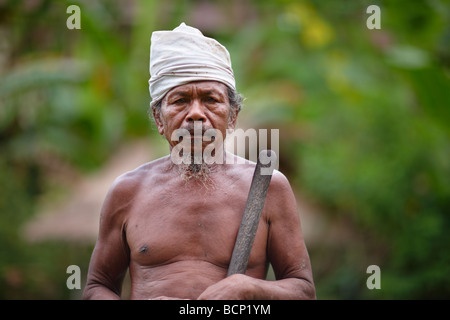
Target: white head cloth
{"x":184,"y":55}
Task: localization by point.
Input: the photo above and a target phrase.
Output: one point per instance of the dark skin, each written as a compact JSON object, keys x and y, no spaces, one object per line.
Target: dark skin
{"x":177,"y":237}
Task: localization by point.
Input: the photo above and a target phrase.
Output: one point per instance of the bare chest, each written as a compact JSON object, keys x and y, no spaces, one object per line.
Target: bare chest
{"x":190,"y":225}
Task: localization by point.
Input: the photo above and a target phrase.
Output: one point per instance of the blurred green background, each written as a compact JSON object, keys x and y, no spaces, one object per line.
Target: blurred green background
{"x":364,"y":119}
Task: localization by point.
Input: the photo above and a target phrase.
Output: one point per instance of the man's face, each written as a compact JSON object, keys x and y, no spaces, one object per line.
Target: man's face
{"x":204,"y":102}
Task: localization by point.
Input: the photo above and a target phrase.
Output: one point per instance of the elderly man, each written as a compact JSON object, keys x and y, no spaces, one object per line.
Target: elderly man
{"x":174,"y":225}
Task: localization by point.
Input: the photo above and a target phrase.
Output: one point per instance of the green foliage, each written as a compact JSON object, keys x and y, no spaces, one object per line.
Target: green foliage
{"x":66,"y":98}
{"x":363,"y":115}
{"x":368,"y":123}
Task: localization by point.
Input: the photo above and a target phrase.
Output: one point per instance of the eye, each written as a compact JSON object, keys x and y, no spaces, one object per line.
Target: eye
{"x":210,"y":100}
{"x":180,"y":101}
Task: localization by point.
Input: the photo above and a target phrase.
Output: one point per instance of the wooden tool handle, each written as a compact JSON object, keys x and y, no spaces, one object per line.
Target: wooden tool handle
{"x":252,"y":213}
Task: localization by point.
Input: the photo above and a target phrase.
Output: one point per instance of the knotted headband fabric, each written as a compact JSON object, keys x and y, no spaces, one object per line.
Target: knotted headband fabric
{"x":184,"y":55}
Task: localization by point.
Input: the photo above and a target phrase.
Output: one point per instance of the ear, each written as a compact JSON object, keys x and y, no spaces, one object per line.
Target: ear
{"x":232,"y":118}
{"x":158,"y":121}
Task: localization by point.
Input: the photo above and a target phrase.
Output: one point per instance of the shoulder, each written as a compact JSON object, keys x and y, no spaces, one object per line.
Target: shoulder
{"x":126,"y":187}
{"x":280,"y":199}
{"x":279,"y":184}
{"x":245,"y":169}
{"x":129,"y":182}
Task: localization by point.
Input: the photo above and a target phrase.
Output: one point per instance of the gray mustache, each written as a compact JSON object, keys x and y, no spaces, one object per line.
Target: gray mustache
{"x":192,"y":130}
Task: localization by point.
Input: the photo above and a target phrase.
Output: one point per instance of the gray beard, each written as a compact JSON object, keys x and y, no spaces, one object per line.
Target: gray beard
{"x":196,"y":172}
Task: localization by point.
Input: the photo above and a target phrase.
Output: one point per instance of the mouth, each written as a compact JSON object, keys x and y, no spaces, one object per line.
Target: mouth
{"x":199,"y":134}
{"x":198,"y":139}
{"x":210,"y":134}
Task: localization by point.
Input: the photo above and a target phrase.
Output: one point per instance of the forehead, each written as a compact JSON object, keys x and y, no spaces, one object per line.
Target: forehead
{"x":200,"y":87}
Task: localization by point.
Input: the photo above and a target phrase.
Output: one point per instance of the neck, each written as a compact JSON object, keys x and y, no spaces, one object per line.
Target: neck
{"x":198,"y":169}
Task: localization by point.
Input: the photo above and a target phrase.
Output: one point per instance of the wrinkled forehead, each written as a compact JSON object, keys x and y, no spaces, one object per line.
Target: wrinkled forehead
{"x":204,"y":87}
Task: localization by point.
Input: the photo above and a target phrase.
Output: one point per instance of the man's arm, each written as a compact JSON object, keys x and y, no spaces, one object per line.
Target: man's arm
{"x":286,"y":251}
{"x":286,"y":247}
{"x":110,"y":257}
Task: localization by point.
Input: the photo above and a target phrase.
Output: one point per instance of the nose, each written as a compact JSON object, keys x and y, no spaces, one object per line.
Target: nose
{"x":195,"y":112}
